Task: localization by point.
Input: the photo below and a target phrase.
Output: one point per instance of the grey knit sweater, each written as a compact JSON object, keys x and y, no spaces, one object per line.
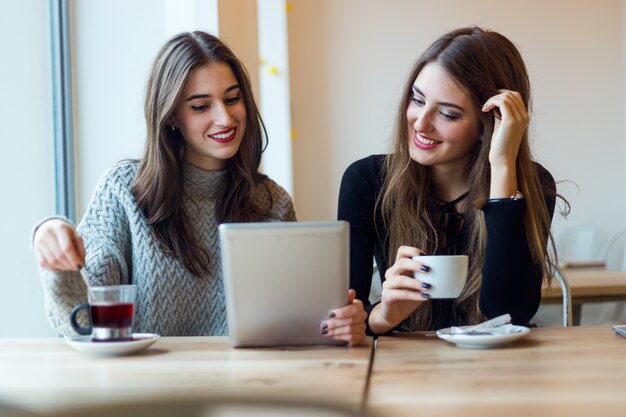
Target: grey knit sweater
{"x":123,"y":249}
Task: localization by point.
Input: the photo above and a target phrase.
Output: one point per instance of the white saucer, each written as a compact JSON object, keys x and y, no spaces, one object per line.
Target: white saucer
{"x":480,"y":341}
{"x":140,"y":342}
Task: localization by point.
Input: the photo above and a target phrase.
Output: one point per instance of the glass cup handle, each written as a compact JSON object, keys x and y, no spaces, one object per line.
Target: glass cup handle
{"x":84,"y":331}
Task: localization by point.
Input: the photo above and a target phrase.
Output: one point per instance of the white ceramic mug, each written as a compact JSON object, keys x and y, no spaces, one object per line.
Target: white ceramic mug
{"x":447,"y":274}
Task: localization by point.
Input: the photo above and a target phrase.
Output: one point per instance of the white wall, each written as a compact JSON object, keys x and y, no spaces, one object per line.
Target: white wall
{"x":26,"y":170}
{"x":114,"y":44}
{"x":349,"y":60}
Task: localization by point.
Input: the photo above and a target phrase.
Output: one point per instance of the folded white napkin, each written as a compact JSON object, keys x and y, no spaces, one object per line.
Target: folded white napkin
{"x":497,"y":325}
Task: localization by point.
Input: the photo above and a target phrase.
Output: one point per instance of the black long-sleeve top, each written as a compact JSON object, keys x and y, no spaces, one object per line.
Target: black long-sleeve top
{"x":511,"y":283}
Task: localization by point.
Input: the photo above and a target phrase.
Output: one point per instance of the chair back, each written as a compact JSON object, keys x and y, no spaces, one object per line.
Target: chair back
{"x":613,"y":252}
{"x":579,"y":243}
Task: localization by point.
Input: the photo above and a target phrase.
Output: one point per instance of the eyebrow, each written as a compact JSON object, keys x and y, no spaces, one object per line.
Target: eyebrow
{"x":197,"y":96}
{"x":441,"y":103}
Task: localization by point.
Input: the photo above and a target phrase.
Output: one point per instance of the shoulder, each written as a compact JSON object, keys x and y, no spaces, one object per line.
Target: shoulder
{"x":122,"y":173}
{"x":369,"y":167}
{"x":269,"y":185}
{"x":546,"y":180}
{"x":366,"y":173}
{"x":267,"y":193}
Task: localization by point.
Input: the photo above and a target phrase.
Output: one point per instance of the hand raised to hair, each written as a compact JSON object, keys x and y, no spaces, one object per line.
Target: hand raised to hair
{"x":58,"y":247}
{"x":511,"y":121}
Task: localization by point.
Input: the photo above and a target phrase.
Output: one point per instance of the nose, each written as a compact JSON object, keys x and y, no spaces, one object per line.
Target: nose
{"x":221,"y":115}
{"x":423,"y":120}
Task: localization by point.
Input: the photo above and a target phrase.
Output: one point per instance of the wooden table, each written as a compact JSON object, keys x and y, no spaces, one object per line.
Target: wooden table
{"x":575,"y":371}
{"x":47,"y":375}
{"x":588,"y":285}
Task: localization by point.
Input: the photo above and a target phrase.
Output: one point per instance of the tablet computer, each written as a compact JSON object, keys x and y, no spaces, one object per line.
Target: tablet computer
{"x":282,"y":279}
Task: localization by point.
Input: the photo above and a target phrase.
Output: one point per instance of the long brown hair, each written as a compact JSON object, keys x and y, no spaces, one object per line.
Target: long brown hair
{"x":482,"y":62}
{"x":158,"y":186}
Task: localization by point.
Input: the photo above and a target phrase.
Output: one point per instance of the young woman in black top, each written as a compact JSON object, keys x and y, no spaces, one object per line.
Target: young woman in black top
{"x":460,"y":180}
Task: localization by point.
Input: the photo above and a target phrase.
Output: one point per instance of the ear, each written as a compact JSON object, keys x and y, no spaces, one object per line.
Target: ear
{"x":171,"y":121}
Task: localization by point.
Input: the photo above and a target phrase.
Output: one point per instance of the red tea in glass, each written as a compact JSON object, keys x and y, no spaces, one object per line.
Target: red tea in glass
{"x":112,"y":315}
{"x":111,"y":311}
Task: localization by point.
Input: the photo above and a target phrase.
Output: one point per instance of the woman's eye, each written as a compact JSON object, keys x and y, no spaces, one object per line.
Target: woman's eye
{"x":448,"y":116}
{"x":232,"y":100}
{"x":199,"y":107}
{"x":418,"y":100}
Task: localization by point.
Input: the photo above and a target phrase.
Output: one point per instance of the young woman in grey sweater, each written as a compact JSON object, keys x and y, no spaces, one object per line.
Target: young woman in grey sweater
{"x":153,"y":222}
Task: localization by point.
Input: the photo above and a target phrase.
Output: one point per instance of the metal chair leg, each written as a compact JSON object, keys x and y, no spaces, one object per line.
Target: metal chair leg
{"x":567,"y":298}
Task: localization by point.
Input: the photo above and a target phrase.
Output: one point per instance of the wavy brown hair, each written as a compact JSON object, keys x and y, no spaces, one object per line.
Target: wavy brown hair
{"x":158,"y":186}
{"x":482,"y":62}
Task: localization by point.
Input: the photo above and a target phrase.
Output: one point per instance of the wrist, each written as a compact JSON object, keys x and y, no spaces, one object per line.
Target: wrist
{"x":378,"y":321}
{"x":503,"y":181}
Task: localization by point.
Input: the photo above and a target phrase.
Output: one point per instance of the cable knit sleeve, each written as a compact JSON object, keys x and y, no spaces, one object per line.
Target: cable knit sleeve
{"x":106,"y":235}
{"x":282,"y":208}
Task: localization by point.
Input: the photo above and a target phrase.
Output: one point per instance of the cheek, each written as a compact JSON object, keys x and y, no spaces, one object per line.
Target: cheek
{"x":411,"y":113}
{"x":464,"y":132}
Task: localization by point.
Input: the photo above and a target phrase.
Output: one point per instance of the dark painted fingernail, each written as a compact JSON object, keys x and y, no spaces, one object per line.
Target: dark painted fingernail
{"x":324,"y":325}
{"x":426,"y":285}
{"x":331,"y":315}
{"x":324,"y":331}
{"x":422,"y":254}
{"x":425,"y":295}
{"x":425,"y":268}
{"x":79,"y":267}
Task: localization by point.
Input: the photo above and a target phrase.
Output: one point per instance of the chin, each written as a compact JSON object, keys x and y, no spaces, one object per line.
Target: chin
{"x":418,"y":159}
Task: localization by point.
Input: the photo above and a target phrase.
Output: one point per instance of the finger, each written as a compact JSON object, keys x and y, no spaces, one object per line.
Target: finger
{"x":352,"y":339}
{"x":44,"y":258}
{"x":354,"y":328}
{"x":54,"y":256}
{"x":69,"y":252}
{"x":405,"y":267}
{"x":59,"y":248}
{"x":401,"y":282}
{"x":510,"y":104}
{"x":351,"y":295}
{"x":394,"y":295}
{"x":347,"y":311}
{"x":520,"y":108}
{"x":408,"y":252}
{"x":357,"y":318}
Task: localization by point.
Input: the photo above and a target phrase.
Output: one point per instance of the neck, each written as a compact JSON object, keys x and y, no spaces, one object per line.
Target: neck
{"x":449,"y":183}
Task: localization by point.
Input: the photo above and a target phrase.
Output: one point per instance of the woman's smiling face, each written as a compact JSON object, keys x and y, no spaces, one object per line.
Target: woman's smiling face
{"x":443,"y":124}
{"x":211,"y":116}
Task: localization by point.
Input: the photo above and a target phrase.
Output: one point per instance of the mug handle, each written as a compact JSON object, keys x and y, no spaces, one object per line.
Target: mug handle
{"x":83,"y":331}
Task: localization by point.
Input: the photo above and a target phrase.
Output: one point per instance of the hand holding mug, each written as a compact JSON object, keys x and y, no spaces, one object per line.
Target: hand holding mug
{"x":401,"y":293}
{"x":58,"y":247}
{"x":447,"y":274}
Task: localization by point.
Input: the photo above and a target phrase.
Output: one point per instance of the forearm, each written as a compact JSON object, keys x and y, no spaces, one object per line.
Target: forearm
{"x":503,"y":180}
{"x":377,"y":323}
{"x":511,"y":283}
{"x":62,"y":292}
